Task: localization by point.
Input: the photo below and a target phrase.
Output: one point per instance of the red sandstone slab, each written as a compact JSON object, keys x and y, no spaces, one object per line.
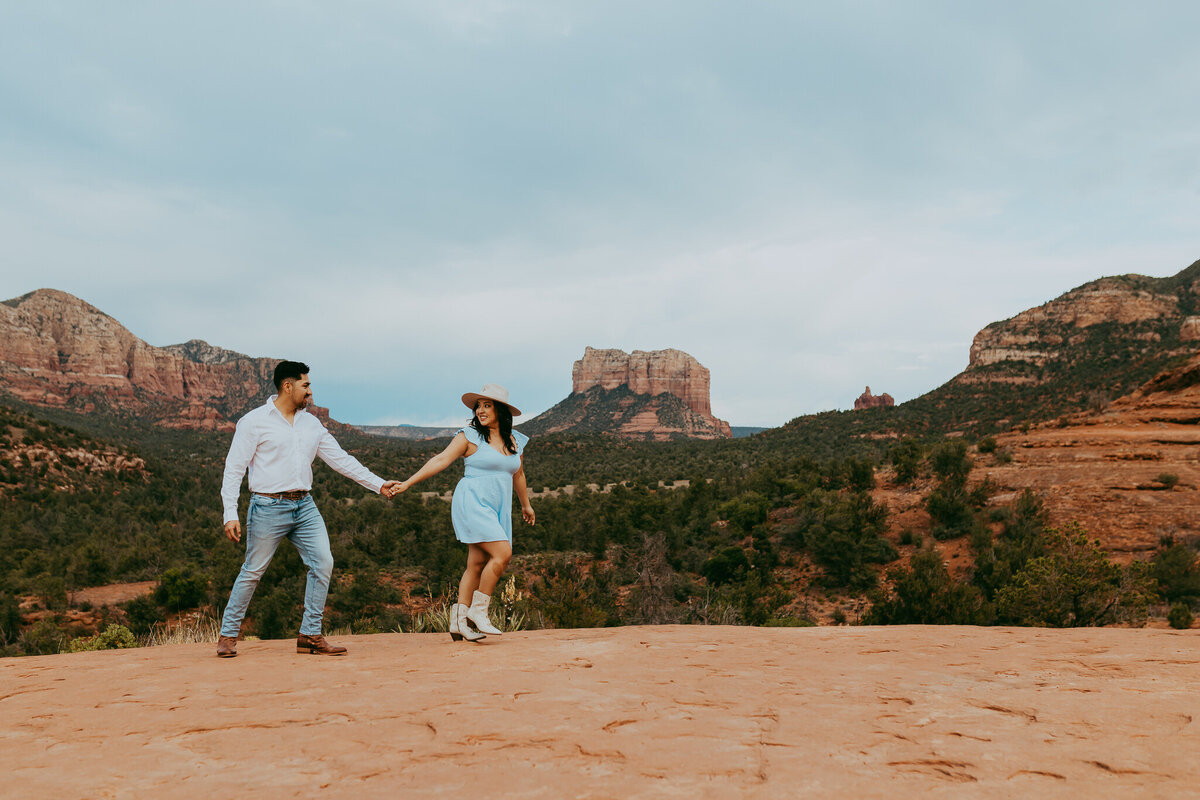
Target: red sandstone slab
{"x":673,"y":711}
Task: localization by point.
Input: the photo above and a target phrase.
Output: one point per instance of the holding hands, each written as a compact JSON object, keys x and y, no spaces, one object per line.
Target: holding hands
{"x":392,"y":488}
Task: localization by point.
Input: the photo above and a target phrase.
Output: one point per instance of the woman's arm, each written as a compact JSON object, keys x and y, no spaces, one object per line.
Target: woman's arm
{"x":456,"y":449}
{"x":523,"y":494}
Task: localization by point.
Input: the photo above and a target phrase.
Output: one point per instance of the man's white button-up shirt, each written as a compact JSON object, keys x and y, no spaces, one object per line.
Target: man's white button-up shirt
{"x":279,"y":456}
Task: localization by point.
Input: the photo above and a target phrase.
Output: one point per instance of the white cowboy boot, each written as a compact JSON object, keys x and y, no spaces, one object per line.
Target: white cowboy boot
{"x":459,"y":629}
{"x":478,"y":614}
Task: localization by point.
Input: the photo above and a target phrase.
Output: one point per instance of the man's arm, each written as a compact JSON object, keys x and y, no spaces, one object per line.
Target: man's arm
{"x":241,"y":451}
{"x":332,"y":454}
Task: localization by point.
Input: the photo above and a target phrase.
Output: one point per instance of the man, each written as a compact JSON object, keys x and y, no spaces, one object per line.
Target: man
{"x":277,"y":443}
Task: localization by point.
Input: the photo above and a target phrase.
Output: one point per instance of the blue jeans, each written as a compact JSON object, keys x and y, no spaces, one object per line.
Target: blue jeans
{"x":268,"y":522}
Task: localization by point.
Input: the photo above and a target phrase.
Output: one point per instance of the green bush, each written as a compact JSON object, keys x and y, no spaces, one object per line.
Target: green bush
{"x":845,"y":536}
{"x":1168,"y":480}
{"x":569,"y":598}
{"x":181,"y":588}
{"x":987,"y":444}
{"x":52,"y":590}
{"x":949,"y":460}
{"x":1177,"y":572}
{"x":998,"y":559}
{"x":10,"y":619}
{"x":142,"y":614}
{"x":43,"y":638}
{"x":1074,"y":585}
{"x":906,"y":457}
{"x":114,"y":637}
{"x":1180,"y":616}
{"x":727,"y":566}
{"x":925,"y":594}
{"x":745,"y":511}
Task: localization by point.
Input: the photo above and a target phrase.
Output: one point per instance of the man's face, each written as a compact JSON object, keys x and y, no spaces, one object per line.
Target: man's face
{"x":298,"y":391}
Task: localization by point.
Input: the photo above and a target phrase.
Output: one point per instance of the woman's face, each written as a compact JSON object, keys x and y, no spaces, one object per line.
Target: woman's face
{"x":485,"y":412}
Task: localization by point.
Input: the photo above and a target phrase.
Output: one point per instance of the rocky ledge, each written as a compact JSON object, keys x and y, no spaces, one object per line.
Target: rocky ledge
{"x":672,"y":711}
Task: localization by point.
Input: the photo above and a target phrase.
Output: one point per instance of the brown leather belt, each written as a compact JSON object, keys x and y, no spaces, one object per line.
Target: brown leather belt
{"x":296,"y":494}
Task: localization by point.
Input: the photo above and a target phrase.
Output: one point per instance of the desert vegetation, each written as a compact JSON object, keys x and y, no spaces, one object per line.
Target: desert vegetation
{"x":781,"y":528}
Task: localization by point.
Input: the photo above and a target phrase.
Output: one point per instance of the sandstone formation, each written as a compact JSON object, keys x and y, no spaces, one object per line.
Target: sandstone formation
{"x":660,"y":394}
{"x":636,"y":712}
{"x":1111,"y":469}
{"x":1127,"y":472}
{"x":1044,"y":333}
{"x":56,"y":350}
{"x":868,"y":400}
{"x":653,"y":372}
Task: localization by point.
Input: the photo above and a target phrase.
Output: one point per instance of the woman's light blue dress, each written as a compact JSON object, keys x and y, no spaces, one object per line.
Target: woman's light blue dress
{"x":481,"y":508}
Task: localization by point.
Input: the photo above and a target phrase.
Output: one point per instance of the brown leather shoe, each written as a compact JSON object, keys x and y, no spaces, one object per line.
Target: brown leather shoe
{"x":317,"y":646}
{"x":227,"y":647}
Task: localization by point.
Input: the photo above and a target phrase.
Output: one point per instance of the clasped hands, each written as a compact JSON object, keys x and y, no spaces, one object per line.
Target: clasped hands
{"x":392,"y":488}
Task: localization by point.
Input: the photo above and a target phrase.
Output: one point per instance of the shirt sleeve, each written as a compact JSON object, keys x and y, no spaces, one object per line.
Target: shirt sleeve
{"x":521,"y":440}
{"x":241,"y":451}
{"x":332,"y":454}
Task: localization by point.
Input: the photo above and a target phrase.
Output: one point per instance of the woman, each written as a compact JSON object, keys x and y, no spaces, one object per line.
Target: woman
{"x":481,"y":509}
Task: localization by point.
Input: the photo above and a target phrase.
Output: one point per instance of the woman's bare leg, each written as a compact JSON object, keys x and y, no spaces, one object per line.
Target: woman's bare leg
{"x":477,"y":558}
{"x":499,"y":554}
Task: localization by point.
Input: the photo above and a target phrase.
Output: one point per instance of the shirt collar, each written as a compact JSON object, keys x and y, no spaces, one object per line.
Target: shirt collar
{"x":274,"y":409}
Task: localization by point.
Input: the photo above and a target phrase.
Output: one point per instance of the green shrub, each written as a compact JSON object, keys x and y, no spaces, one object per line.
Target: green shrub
{"x":43,"y":638}
{"x":906,"y":457}
{"x":925,"y":594}
{"x":114,"y":637}
{"x":745,"y":511}
{"x":1074,"y":585}
{"x":10,"y":619}
{"x":1180,"y":616}
{"x":789,"y":622}
{"x":987,"y":444}
{"x":950,"y":509}
{"x":1168,"y":480}
{"x":569,"y":598}
{"x":142,"y":614}
{"x":1177,"y":572}
{"x":727,"y":566}
{"x":949,"y":460}
{"x":844,"y":533}
{"x":181,"y":588}
{"x":52,"y":590}
{"x":998,"y":559}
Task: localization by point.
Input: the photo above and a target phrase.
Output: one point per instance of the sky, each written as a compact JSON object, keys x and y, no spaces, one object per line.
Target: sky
{"x":420,"y":198}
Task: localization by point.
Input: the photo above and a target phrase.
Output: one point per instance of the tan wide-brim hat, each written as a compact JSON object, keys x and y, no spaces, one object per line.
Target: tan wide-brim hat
{"x":490,"y":391}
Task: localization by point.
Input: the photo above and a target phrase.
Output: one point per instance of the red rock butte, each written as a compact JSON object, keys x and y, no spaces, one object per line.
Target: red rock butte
{"x":637,"y":712}
{"x":649,"y":373}
{"x":868,"y":400}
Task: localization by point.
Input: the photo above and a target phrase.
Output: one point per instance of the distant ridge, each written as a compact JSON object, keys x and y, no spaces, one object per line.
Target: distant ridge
{"x":59,"y":351}
{"x":413,"y":433}
{"x":1090,"y":345}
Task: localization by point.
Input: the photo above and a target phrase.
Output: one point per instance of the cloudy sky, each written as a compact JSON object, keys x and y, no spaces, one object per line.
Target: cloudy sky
{"x":417,"y":198}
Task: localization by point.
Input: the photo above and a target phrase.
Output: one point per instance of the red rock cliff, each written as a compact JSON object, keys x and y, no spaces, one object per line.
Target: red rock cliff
{"x":650,"y":373}
{"x":868,"y":400}
{"x":653,"y":372}
{"x":57,"y":350}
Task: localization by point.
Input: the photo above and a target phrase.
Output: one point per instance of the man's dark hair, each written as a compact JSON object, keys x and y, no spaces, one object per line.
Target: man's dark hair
{"x":289,"y":369}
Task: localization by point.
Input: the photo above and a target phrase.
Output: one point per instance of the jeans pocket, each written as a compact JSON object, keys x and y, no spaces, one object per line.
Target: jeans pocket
{"x":264,"y":502}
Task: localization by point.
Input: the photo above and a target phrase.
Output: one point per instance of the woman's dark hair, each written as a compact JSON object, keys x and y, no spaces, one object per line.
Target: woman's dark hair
{"x":504,"y":417}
